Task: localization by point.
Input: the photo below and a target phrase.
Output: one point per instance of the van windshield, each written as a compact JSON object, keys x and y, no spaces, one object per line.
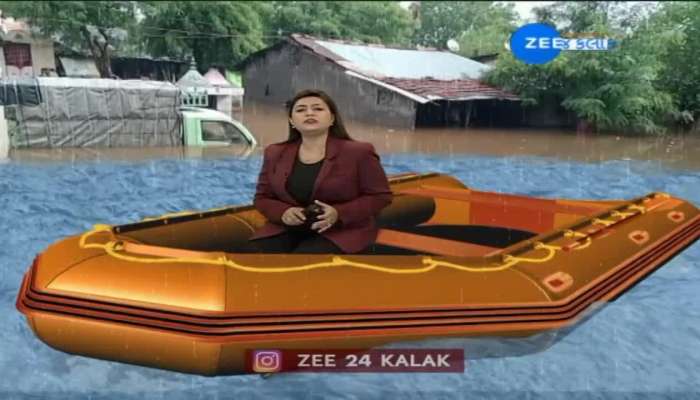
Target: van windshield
{"x":220,"y":131}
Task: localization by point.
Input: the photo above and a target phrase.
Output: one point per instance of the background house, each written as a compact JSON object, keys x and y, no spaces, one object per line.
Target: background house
{"x":21,"y":55}
{"x":24,"y":55}
{"x":387,"y":86}
{"x":72,"y":63}
{"x":144,"y":67}
{"x":210,"y":91}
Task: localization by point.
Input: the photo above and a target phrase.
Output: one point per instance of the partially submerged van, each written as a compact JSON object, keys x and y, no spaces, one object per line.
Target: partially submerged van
{"x":205,"y":127}
{"x":70,"y":112}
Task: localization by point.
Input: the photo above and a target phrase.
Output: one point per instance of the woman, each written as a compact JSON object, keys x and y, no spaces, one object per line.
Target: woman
{"x":320,"y":165}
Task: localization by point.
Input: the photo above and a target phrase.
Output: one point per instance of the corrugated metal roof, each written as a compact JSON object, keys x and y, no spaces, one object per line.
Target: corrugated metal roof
{"x":404,"y":63}
{"x":79,"y":67}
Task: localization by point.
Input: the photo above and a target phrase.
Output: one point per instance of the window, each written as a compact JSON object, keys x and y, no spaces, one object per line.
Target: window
{"x":18,"y":55}
{"x":218,"y":131}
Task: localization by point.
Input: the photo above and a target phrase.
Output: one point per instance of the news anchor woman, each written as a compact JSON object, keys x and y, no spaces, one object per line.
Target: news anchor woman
{"x":320,"y":190}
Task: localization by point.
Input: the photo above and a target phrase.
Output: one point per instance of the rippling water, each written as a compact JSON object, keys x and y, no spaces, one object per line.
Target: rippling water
{"x":644,"y":345}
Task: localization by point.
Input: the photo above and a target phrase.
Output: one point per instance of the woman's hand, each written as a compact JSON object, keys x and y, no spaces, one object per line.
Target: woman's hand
{"x":293,"y":216}
{"x":326,"y":220}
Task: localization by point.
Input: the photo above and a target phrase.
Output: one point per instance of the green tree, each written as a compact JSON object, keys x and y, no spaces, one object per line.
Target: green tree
{"x":580,"y":17}
{"x":680,"y":73}
{"x":488,"y":34}
{"x":612,"y":90}
{"x":99,"y":27}
{"x":441,"y":21}
{"x":367,"y":21}
{"x":214,"y":33}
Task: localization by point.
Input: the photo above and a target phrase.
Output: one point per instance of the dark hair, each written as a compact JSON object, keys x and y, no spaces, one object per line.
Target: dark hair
{"x":336,"y":130}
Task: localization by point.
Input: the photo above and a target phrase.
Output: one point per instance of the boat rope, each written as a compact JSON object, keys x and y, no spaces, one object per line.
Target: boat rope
{"x":182,"y":214}
{"x":115,"y":248}
{"x":605,"y":222}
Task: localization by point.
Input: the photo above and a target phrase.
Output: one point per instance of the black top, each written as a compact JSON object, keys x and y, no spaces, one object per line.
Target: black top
{"x":300,"y":183}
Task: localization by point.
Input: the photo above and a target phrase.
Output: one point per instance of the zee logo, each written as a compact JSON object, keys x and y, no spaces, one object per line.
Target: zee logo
{"x":541,"y":43}
{"x":544,"y":43}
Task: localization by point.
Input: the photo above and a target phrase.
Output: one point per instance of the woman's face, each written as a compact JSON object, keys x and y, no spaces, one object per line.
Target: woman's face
{"x":311,"y":115}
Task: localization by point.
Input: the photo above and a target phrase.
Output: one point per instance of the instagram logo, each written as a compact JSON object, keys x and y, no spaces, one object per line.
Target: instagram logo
{"x":267,"y":361}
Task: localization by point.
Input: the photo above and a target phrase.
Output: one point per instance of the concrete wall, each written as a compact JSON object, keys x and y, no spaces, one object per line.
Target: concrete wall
{"x":280,"y":72}
{"x":4,"y":137}
{"x":223,"y":104}
{"x":43,"y":56}
{"x":267,"y":79}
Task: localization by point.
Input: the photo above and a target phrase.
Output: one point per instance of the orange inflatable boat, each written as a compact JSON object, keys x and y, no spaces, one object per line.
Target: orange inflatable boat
{"x":177,"y":292}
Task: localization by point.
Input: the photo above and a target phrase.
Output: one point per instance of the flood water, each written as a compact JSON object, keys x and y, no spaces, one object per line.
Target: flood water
{"x":269,"y":125}
{"x":681,"y":151}
{"x":641,"y":346}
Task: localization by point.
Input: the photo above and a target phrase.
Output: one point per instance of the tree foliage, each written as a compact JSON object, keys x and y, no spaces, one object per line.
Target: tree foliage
{"x":489,"y":33}
{"x":611,"y":90}
{"x":441,"y":21}
{"x":680,"y":73}
{"x":224,"y":33}
{"x":98,"y":27}
{"x":367,"y":21}
{"x":618,"y":16}
{"x":214,"y":33}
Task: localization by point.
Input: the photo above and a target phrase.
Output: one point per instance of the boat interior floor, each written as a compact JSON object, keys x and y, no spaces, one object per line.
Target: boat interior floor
{"x":487,"y":236}
{"x":432,"y":240}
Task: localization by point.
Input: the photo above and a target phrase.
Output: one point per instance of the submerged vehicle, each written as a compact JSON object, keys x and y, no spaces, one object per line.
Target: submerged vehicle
{"x":204,"y":127}
{"x":180,"y":292}
{"x":52,"y":112}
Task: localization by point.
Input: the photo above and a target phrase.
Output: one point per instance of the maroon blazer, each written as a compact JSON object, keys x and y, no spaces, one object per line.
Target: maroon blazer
{"x":351,"y":179}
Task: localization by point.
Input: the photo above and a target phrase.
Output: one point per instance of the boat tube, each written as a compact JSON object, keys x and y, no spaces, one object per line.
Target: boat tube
{"x":180,"y":292}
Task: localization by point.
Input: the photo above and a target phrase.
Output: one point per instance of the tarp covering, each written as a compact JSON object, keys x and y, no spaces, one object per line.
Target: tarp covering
{"x":19,"y":91}
{"x":100,"y":113}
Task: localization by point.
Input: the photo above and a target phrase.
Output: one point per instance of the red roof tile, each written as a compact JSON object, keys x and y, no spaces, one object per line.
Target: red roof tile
{"x":454,"y":89}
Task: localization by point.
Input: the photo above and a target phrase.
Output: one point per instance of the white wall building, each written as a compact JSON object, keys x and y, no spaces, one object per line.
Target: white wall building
{"x":22,"y":54}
